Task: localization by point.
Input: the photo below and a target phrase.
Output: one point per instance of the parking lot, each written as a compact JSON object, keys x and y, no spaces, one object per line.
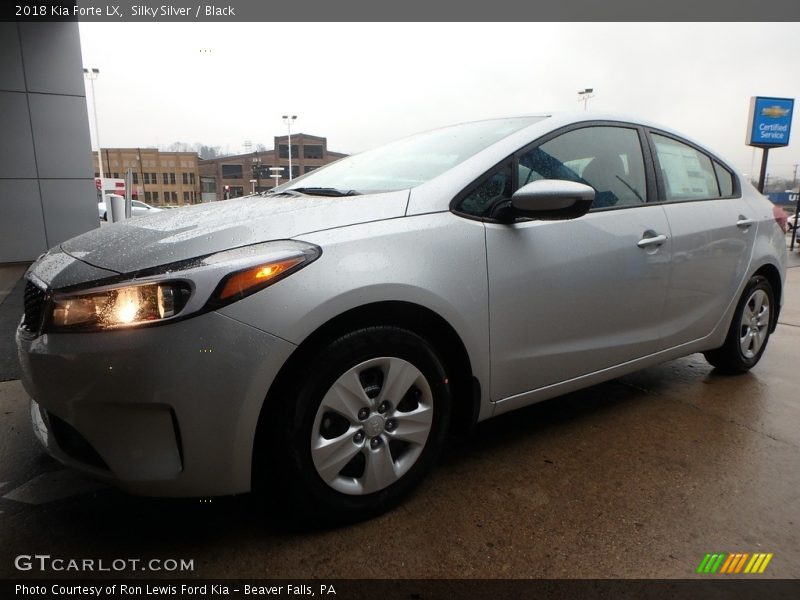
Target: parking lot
{"x":638,"y":477}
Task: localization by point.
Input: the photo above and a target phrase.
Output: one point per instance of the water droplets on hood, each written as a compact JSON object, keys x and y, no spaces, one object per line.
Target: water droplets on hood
{"x":203,"y":229}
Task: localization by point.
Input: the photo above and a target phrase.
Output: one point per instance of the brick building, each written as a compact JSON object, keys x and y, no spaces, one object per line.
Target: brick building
{"x":159,"y":178}
{"x":232,"y":176}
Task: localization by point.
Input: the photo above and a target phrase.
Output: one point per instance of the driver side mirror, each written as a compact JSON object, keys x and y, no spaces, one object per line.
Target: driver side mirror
{"x":552,"y":199}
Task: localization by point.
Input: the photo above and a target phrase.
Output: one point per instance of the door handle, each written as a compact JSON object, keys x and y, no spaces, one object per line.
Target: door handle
{"x":656,"y":240}
{"x":744,"y":222}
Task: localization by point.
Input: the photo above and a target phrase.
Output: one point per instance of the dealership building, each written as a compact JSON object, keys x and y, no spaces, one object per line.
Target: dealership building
{"x":46,"y":187}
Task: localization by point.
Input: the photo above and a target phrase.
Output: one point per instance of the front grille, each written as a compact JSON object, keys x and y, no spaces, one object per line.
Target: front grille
{"x":35,"y":300}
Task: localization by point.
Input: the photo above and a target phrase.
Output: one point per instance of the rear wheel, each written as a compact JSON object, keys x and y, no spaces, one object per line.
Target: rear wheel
{"x":749,"y":332}
{"x":367,"y":425}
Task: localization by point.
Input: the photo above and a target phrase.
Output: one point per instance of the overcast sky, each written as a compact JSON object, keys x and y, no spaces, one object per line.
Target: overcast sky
{"x":364,"y":84}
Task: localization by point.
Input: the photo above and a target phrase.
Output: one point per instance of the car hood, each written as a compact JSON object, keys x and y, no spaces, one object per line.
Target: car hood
{"x":192,"y":231}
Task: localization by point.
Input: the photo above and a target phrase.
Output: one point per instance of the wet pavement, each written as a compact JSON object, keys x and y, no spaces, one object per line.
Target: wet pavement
{"x":637,"y":477}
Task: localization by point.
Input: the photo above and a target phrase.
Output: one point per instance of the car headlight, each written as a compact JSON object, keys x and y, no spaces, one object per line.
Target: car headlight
{"x":178,"y":290}
{"x":126,"y":306}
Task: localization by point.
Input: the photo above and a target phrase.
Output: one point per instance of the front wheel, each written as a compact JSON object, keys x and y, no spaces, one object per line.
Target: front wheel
{"x":750,"y":329}
{"x":367,"y":425}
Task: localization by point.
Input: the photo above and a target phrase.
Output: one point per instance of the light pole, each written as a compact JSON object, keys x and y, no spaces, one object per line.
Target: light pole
{"x":141,"y":174}
{"x":257,"y":168}
{"x":91,"y":75}
{"x":584,"y":95}
{"x":289,"y":120}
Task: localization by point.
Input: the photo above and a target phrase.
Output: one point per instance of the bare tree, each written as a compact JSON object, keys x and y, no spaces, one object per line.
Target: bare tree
{"x":207,"y":151}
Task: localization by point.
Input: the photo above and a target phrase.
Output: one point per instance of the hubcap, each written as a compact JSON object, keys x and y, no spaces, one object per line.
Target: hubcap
{"x":372,"y":426}
{"x":754,"y":326}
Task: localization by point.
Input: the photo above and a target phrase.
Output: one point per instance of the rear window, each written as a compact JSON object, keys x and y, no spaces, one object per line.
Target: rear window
{"x":686,"y":172}
{"x":725,"y":180}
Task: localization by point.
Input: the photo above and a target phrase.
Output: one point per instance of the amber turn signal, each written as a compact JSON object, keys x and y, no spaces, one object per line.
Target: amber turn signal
{"x":242,"y":282}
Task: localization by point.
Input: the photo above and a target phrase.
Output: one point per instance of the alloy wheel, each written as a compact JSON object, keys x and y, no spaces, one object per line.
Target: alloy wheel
{"x":754,"y":325}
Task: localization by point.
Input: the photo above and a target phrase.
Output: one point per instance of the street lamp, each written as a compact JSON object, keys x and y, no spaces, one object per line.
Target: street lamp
{"x":584,"y":95}
{"x":141,"y":174}
{"x":289,"y":120}
{"x":256,"y":168}
{"x":91,"y":75}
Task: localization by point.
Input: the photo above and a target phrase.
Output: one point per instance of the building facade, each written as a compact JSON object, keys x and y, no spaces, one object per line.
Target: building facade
{"x":46,"y":190}
{"x":159,"y":178}
{"x":233,"y":176}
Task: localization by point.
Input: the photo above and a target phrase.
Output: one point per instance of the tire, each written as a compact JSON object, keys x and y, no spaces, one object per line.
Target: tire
{"x":749,"y":331}
{"x":346,"y":455}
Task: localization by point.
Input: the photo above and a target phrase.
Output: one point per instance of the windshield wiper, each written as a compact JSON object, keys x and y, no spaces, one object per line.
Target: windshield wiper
{"x":280,"y":193}
{"x":323,"y":191}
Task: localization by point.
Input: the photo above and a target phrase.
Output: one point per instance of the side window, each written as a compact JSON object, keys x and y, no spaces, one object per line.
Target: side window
{"x":687,"y":173}
{"x":492,"y":189}
{"x":725,"y":180}
{"x":607,"y":158}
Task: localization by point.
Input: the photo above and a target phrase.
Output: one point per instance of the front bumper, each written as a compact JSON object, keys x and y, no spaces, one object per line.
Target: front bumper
{"x":166,"y":411}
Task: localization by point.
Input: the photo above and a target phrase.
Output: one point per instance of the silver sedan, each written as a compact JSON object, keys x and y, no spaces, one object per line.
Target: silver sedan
{"x":320,"y":340}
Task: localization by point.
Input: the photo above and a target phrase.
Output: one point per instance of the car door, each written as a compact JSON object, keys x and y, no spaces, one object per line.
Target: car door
{"x":571,"y":297}
{"x":713,"y":232}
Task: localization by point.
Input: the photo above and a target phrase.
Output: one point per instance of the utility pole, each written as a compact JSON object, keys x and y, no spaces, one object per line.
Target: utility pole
{"x":796,"y":207}
{"x":257,"y":169}
{"x":141,"y":175}
{"x":289,"y":120}
{"x":584,"y":95}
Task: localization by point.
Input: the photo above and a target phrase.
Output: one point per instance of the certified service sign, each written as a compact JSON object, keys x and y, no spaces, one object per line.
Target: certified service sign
{"x":769,"y":122}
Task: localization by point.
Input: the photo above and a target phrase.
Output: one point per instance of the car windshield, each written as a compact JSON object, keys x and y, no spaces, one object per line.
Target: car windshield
{"x":408,"y":162}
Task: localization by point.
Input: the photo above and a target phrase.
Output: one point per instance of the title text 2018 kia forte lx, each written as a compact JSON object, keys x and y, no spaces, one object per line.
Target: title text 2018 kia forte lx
{"x":322,"y":338}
